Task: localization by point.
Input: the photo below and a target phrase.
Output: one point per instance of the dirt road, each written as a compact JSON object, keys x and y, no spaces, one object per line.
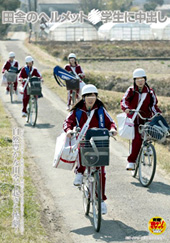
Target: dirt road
{"x":130,"y":206}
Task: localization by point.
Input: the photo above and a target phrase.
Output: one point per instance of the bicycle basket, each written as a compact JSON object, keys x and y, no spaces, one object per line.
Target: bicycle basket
{"x":95,"y":148}
{"x":34,"y":86}
{"x":11,"y":77}
{"x":72,"y":84}
{"x":13,"y":70}
{"x":153,"y":133}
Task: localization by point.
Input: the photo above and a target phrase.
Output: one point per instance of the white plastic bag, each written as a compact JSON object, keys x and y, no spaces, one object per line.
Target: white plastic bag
{"x":20,"y":93}
{"x":4,"y":80}
{"x":125,"y":126}
{"x":65,"y":154}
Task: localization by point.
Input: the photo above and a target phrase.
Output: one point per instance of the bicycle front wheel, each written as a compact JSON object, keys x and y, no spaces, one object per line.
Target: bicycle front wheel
{"x":74,"y":97}
{"x":86,"y":198}
{"x":147,"y":165}
{"x":33,"y":111}
{"x":96,"y":201}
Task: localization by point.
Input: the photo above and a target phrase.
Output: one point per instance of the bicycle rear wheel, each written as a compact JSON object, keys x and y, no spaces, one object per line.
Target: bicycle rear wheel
{"x":33,"y":110}
{"x":147,"y":165}
{"x":11,"y":92}
{"x":96,"y":201}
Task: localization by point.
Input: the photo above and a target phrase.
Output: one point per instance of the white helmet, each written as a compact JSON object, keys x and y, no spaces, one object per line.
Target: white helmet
{"x":89,"y":89}
{"x":71,"y":55}
{"x":29,"y":59}
{"x":138,"y":73}
{"x":11,"y":54}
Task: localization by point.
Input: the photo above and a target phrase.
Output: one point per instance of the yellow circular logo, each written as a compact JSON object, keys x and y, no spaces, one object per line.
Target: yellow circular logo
{"x":157,"y":225}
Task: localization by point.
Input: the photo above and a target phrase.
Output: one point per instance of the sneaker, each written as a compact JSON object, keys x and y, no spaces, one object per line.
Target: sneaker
{"x":78,"y":179}
{"x":130,"y":166}
{"x":24,"y":114}
{"x":7,"y":92}
{"x":68,"y":108}
{"x":103,"y":208}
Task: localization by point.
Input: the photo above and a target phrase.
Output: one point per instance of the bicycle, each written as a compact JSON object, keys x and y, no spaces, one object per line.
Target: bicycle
{"x":34,"y":90}
{"x":146,"y":160}
{"x":94,"y":151}
{"x":11,"y":76}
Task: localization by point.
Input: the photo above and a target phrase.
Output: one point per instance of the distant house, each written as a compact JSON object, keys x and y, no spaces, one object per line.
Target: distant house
{"x":139,"y":3}
{"x":165,"y":9}
{"x":61,"y":6}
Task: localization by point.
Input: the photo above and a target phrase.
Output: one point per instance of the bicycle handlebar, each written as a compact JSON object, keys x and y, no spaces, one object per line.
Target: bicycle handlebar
{"x":77,"y":130}
{"x":144,"y":118}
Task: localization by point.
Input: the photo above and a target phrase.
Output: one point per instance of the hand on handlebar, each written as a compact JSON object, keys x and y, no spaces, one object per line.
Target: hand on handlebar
{"x":112,"y":132}
{"x":127,"y":111}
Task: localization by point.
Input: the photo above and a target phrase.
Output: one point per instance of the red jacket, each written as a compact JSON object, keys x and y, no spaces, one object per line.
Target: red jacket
{"x":33,"y":72}
{"x":149,"y":106}
{"x":8,"y":64}
{"x":78,"y":70}
{"x":71,"y":122}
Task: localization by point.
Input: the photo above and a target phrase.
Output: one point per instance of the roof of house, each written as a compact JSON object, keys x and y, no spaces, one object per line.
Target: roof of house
{"x":163,"y":7}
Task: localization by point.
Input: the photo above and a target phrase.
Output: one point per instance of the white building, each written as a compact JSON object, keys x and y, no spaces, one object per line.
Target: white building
{"x":125,"y":31}
{"x":67,"y":31}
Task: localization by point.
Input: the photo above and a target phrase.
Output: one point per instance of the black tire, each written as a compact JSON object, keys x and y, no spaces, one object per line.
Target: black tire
{"x":11,"y":92}
{"x":147,"y":166}
{"x":74,"y":97}
{"x":33,"y":111}
{"x":28,"y":111}
{"x":86,"y":199}
{"x":134,"y":172}
{"x":96,"y":202}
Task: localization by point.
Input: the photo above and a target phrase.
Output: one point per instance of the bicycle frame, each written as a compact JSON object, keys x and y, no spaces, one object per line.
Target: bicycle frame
{"x":91,"y":189}
{"x":32,"y":110}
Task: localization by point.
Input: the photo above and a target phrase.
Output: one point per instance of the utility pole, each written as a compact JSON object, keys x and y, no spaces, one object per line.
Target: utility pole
{"x":35,"y":5}
{"x":30,"y":25}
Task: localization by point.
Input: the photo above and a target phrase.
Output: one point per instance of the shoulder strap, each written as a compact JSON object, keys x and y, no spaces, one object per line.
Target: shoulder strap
{"x":101,"y":117}
{"x":84,"y":128}
{"x":100,"y":114}
{"x":28,"y":71}
{"x":139,"y":105}
{"x":78,"y":115}
{"x":74,"y":72}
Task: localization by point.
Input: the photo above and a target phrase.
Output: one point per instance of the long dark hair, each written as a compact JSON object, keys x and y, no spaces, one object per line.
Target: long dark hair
{"x":76,"y":62}
{"x":80,"y":104}
{"x":134,"y":86}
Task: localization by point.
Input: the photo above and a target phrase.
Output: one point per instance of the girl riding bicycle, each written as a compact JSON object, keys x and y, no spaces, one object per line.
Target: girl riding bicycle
{"x":88,"y":103}
{"x":74,"y":68}
{"x":11,"y":63}
{"x":27,"y":71}
{"x":149,"y":107}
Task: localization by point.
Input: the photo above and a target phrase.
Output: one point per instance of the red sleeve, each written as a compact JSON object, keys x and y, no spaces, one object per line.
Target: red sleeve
{"x":6,"y":67}
{"x":125,"y":102}
{"x":70,"y":121}
{"x":23,"y":74}
{"x":155,"y":108}
{"x":67,"y":67}
{"x":16,"y":64}
{"x":109,"y":122}
{"x":80,"y":72}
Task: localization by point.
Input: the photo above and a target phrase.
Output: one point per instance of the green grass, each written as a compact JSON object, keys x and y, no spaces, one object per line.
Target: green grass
{"x":34,"y":230}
